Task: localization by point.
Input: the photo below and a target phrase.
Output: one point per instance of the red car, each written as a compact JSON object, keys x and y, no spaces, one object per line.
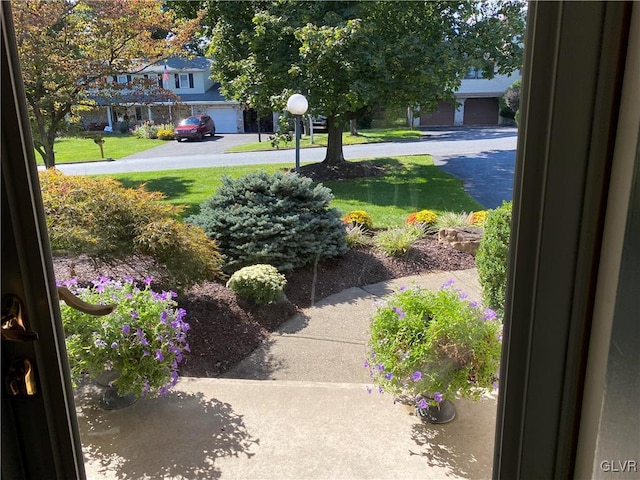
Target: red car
{"x":195,"y":127}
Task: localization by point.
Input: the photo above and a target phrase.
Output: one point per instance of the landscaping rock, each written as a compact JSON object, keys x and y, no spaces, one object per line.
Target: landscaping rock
{"x":465,"y":239}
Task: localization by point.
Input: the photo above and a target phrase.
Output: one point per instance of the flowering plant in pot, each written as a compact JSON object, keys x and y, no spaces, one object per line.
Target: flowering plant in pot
{"x":142,"y":341}
{"x":434,"y":347}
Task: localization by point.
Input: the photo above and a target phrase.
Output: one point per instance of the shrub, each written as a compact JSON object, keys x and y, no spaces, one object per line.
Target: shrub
{"x":142,"y":340}
{"x":150,"y":130}
{"x":359,"y":217}
{"x":107,"y":222}
{"x":434,"y":345}
{"x":396,"y":241}
{"x":424,"y":217}
{"x":357,"y":236}
{"x":165,"y":134}
{"x":281,"y":220}
{"x":493,"y":255}
{"x":259,"y":283}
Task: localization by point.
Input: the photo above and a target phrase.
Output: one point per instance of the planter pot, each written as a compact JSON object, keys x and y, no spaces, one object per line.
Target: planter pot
{"x":111,"y":399}
{"x":442,"y":413}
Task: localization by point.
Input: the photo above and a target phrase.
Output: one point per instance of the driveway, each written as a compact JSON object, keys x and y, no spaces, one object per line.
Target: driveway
{"x":218,"y":144}
{"x":483,"y":158}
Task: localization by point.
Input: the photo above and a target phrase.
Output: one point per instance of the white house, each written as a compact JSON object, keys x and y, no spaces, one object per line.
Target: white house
{"x":195,"y":93}
{"x":477,"y":102}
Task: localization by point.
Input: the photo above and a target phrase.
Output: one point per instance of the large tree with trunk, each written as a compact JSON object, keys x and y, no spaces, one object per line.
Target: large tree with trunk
{"x":349,"y":57}
{"x":68,"y":49}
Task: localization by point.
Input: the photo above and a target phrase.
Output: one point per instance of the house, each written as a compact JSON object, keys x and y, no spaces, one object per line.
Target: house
{"x":183,"y":87}
{"x":477,"y":102}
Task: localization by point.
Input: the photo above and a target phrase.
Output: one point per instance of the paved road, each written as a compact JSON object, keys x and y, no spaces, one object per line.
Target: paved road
{"x":483,"y":158}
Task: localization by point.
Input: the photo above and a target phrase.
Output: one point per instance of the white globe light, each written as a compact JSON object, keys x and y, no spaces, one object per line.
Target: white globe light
{"x":297,"y":104}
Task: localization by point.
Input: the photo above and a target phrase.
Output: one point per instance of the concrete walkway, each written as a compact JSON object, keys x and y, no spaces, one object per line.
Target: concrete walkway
{"x":297,"y":408}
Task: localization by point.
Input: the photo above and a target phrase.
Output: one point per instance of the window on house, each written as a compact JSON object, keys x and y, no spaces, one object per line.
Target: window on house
{"x":184,"y":80}
{"x":124,"y":78}
{"x":474,"y":74}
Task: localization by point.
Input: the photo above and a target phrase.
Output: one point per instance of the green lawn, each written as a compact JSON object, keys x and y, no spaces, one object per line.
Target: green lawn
{"x":412,"y":183}
{"x":83,"y":149}
{"x":320,"y":139}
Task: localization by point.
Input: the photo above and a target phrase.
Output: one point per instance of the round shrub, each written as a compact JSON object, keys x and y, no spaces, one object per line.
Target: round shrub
{"x":426,"y":217}
{"x":259,"y":283}
{"x":280,"y":219}
{"x":359,"y":217}
{"x":493,"y":256}
{"x":107,"y":222}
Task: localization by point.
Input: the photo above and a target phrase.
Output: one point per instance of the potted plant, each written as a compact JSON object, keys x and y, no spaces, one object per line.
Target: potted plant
{"x":137,"y":347}
{"x":434,"y":347}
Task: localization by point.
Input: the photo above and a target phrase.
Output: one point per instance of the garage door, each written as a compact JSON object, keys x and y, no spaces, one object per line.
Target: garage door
{"x":481,"y":111}
{"x":443,"y":116}
{"x":225,"y":119}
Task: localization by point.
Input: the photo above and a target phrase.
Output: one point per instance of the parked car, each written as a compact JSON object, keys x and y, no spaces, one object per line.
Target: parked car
{"x":195,"y":127}
{"x":319,"y":124}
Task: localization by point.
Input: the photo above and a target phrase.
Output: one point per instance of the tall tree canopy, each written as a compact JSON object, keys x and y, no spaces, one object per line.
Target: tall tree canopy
{"x":348,"y":57}
{"x":68,"y":48}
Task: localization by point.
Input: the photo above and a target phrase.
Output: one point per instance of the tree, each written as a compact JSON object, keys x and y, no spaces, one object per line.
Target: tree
{"x":351,"y":57}
{"x":68,"y":50}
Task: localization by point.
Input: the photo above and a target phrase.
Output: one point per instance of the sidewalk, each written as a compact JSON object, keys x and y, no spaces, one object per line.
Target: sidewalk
{"x":297,"y":408}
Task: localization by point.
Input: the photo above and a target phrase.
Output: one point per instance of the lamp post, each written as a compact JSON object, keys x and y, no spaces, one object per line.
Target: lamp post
{"x":297,"y":106}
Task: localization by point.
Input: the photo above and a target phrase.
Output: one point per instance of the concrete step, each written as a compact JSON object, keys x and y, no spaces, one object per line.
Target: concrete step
{"x":275,"y":429}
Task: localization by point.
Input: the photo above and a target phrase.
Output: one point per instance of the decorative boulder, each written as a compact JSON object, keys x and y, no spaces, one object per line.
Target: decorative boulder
{"x":465,"y":239}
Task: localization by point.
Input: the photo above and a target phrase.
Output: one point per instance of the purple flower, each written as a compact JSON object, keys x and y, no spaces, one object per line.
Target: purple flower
{"x":423,"y":403}
{"x":496,"y":385}
{"x":126,"y":329}
{"x":159,"y":355}
{"x":114,"y":345}
{"x":380,"y":390}
{"x":134,"y":314}
{"x":163,"y":316}
{"x":128,"y":295}
{"x":140,"y":336}
{"x":100,"y":343}
{"x":366,"y":364}
{"x":380,"y":367}
{"x":145,"y":389}
{"x":462,"y":295}
{"x":145,"y":353}
{"x":437,"y":397}
{"x":148,"y":280}
{"x":416,"y":376}
{"x":402,"y":288}
{"x":447,"y":284}
{"x":70,"y":283}
{"x":389,"y":376}
{"x":473,"y":304}
{"x":128,"y":279}
{"x":400,"y":312}
{"x":489,"y":314}
{"x":368,"y":389}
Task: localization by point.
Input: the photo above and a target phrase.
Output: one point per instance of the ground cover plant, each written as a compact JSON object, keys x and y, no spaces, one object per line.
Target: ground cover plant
{"x":84,"y":149}
{"x":403,"y":185}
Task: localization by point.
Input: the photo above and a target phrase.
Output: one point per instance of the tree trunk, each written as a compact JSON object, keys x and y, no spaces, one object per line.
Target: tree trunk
{"x":334,"y":141}
{"x":353,"y":127}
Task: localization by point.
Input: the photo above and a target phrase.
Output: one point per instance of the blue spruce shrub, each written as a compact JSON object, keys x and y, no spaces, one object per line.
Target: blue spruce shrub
{"x":281,"y":219}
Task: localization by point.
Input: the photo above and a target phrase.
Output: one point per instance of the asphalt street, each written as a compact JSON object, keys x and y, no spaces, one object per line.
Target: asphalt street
{"x":483,"y":158}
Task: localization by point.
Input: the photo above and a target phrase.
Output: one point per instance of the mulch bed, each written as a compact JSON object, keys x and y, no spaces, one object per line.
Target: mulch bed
{"x":225,"y":330}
